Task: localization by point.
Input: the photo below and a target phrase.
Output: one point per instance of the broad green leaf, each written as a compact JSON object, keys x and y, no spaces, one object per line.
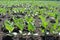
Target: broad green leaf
{"x":22,"y":9}
{"x":15,"y":10}
{"x":58,"y":29}
{"x":20,"y":26}
{"x":31,"y":27}
{"x":55,"y":25}
{"x":29,"y":19}
{"x":43,"y":30}
{"x":52,"y":14}
{"x":19,"y":23}
{"x":9,"y":26}
{"x":44,"y":22}
{"x":3,"y":10}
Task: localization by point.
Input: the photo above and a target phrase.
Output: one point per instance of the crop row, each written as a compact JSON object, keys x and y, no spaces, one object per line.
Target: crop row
{"x":31,"y":16}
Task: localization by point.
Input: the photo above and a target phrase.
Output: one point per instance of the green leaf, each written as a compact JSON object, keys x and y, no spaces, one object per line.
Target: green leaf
{"x":29,"y":19}
{"x":19,"y":23}
{"x":15,"y":10}
{"x":55,"y":25}
{"x":52,"y":14}
{"x":3,"y":10}
{"x":43,"y":30}
{"x":9,"y":26}
{"x":22,"y":9}
{"x":44,"y":22}
{"x":31,"y":27}
{"x":20,"y":26}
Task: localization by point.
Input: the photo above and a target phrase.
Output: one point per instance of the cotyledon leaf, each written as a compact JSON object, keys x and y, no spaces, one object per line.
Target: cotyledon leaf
{"x":20,"y":26}
{"x":19,"y":23}
{"x":9,"y":26}
{"x":31,"y":27}
{"x":55,"y":25}
{"x":44,"y":22}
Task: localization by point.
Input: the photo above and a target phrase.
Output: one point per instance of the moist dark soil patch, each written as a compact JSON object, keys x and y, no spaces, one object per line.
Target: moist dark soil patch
{"x":3,"y":16}
{"x":26,"y":23}
{"x":16,"y":13}
{"x":31,"y":38}
{"x":52,"y":21}
{"x":0,"y":20}
{"x":21,"y":38}
{"x":42,"y":27}
{"x":7,"y":38}
{"x":18,"y":17}
{"x":25,"y":30}
{"x":11,"y":19}
{"x":4,"y":30}
{"x":57,"y":38}
{"x":16,"y":30}
{"x":49,"y":37}
{"x":41,"y":7}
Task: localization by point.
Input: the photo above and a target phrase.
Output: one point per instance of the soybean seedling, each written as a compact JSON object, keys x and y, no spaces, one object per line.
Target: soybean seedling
{"x":16,"y":10}
{"x":44,"y":23}
{"x":19,"y":23}
{"x":31,"y":27}
{"x":3,"y":11}
{"x":54,"y":27}
{"x":9,"y":26}
{"x":29,"y":19}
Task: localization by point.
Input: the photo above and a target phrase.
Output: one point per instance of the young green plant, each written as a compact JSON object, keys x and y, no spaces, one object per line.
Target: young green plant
{"x":54,"y":27}
{"x":44,"y":23}
{"x":19,"y":23}
{"x":9,"y":26}
{"x":3,"y":11}
{"x":29,"y":19}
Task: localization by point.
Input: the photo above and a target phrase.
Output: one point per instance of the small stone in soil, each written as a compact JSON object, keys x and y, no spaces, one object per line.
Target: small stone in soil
{"x":47,"y":33}
{"x":20,"y":31}
{"x":14,"y":33}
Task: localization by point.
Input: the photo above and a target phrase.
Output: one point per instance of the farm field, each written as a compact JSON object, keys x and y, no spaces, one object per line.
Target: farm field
{"x":28,"y":20}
